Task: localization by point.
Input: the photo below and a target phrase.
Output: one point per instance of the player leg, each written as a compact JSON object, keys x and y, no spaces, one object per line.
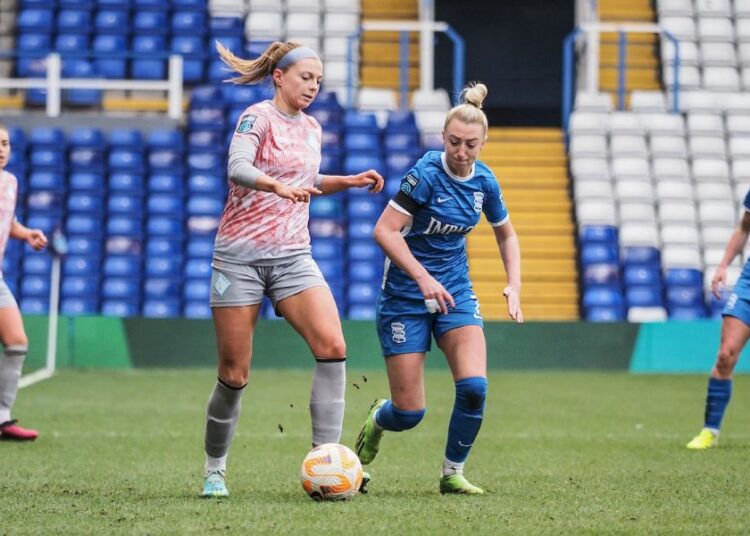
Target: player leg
{"x":15,"y":343}
{"x":734,"y":335}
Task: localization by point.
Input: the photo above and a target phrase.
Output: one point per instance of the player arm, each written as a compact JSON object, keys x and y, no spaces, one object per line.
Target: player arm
{"x":34,"y":237}
{"x":735,"y":245}
{"x":330,"y":184}
{"x":510,"y":251}
{"x":388,"y":236}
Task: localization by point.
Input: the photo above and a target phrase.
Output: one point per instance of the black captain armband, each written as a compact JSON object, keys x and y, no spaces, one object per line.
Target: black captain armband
{"x":403,"y":200}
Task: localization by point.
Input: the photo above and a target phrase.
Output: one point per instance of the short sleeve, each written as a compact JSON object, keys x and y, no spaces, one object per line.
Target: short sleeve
{"x":414,"y":192}
{"x":494,"y":205}
{"x":746,"y":202}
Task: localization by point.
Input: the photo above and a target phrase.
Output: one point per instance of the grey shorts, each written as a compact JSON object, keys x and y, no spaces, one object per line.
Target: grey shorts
{"x":242,"y":284}
{"x":6,"y":296}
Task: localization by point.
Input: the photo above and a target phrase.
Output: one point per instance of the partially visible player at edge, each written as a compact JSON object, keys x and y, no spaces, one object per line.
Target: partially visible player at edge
{"x":427,"y":290}
{"x":12,"y":333}
{"x":262,"y":248}
{"x":735,"y":331}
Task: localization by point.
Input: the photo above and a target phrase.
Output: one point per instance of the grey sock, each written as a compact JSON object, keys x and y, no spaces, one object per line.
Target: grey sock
{"x":222,"y":416}
{"x":10,"y":372}
{"x":327,"y":400}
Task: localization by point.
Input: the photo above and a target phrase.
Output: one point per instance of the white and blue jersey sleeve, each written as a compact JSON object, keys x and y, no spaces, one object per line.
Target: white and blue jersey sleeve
{"x":444,"y":209}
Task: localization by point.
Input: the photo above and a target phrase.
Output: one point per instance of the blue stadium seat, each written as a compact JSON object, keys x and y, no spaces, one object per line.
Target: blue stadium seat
{"x":110,"y":21}
{"x":361,"y":312}
{"x":362,"y":293}
{"x":10,"y":266}
{"x":326,"y":207}
{"x":330,"y":163}
{"x":604,"y":314}
{"x":151,"y":5}
{"x":358,"y":163}
{"x":71,"y":43}
{"x":687,"y":313}
{"x":170,"y":139}
{"x":126,"y":160}
{"x":402,"y":122}
{"x":150,"y":22}
{"x":241,"y":96}
{"x":122,"y":204}
{"x":86,"y":181}
{"x":199,"y":309}
{"x":360,"y":229}
{"x":641,"y":255}
{"x":208,"y":96}
{"x":600,"y":234}
{"x":86,"y":159}
{"x":232,"y":42}
{"x":80,"y":265}
{"x":363,"y":142}
{"x":365,"y":271}
{"x":332,"y":270}
{"x":201,"y":183}
{"x":126,"y":138}
{"x":602,"y":297}
{"x":126,"y":181}
{"x":204,"y":140}
{"x":202,"y":225}
{"x":327,"y":117}
{"x":332,"y":137}
{"x":74,"y":21}
{"x":33,"y":42}
{"x":198,"y":205}
{"x":163,"y":266}
{"x":197,"y":289}
{"x":39,"y":264}
{"x":35,"y":286}
{"x":402,"y":142}
{"x":33,"y":68}
{"x":328,"y":248}
{"x":362,"y":122}
{"x":642,"y":296}
{"x":85,"y":137}
{"x":400,"y":163}
{"x":322,"y":227}
{"x":47,"y":180}
{"x":161,"y":308}
{"x":200,"y":247}
{"x":364,"y":250}
{"x":224,"y":25}
{"x":684,"y":277}
{"x":34,"y":305}
{"x":47,"y":138}
{"x":124,"y":226}
{"x":78,"y":306}
{"x":208,"y":117}
{"x":680,"y":296}
{"x":164,"y":227}
{"x":161,"y":288}
{"x":123,"y":245}
{"x":599,"y":253}
{"x":197,"y":268}
{"x":84,"y":224}
{"x":158,"y":246}
{"x":35,"y":20}
{"x":166,"y":183}
{"x":165,"y":160}
{"x":121,"y":288}
{"x":84,"y":245}
{"x":45,"y":201}
{"x":151,"y":68}
{"x":189,"y":23}
{"x":122,"y":266}
{"x":602,"y":273}
{"x":80,"y":287}
{"x":17,"y":164}
{"x":73,"y":68}
{"x":639,"y":275}
{"x":122,"y":308}
{"x":192,"y":48}
{"x":165,"y":204}
{"x":205,"y":162}
{"x":364,"y":208}
{"x":45,"y":222}
{"x":108,"y":64}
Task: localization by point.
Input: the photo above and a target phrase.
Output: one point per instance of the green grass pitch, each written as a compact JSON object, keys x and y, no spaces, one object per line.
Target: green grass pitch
{"x":559,"y":452}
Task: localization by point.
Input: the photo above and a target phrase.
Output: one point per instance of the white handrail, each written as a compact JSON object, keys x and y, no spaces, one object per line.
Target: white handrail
{"x":54,"y":84}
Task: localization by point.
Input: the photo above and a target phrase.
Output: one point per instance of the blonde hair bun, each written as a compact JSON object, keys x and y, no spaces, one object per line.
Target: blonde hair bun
{"x":474,"y":94}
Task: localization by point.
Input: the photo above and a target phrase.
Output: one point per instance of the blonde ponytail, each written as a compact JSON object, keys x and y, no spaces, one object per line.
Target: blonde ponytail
{"x":470,"y":109}
{"x":254,"y":71}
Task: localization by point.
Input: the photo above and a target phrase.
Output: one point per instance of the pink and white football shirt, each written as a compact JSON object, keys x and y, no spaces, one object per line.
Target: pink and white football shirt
{"x":261,"y":227}
{"x":8,"y":195}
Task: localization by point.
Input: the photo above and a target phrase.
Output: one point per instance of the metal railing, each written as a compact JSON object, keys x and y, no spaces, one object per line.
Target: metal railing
{"x":54,"y":82}
{"x":590,"y":32}
{"x":426,"y":56}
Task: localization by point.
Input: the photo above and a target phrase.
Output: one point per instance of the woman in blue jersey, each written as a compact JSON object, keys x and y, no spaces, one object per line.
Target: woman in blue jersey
{"x":427,"y":291}
{"x":735,"y":331}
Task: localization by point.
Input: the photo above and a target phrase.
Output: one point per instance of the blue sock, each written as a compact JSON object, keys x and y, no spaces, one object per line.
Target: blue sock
{"x":389,"y":417}
{"x":719,"y":393}
{"x":468,"y":410}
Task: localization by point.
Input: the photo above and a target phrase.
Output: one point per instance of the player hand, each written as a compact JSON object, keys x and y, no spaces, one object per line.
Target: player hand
{"x":514,"y":304}
{"x":719,"y":281}
{"x":36,"y":239}
{"x":294,"y":193}
{"x":369,"y":178}
{"x":433,"y":290}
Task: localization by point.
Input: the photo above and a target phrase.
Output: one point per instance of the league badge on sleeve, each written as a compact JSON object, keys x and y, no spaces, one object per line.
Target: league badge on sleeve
{"x":409,"y":183}
{"x":246,"y":124}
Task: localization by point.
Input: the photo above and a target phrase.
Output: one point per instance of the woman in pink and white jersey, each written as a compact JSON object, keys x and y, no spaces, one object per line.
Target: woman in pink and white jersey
{"x":263,"y":247}
{"x":12,"y":335}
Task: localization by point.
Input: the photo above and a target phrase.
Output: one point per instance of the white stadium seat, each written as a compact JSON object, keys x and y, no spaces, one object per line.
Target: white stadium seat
{"x":741,"y":170}
{"x":701,"y":124}
{"x":590,"y":169}
{"x":335,"y":73}
{"x":718,"y":55}
{"x":705,"y":169}
{"x":592,"y":190}
{"x":638,"y":234}
{"x":625,"y":123}
{"x":700,"y":101}
{"x":642,"y":315}
{"x":436,"y":99}
{"x":683,"y":28}
{"x":742,"y":29}
{"x":596,"y":212}
{"x":340,"y":24}
{"x":632,"y":212}
{"x":741,"y":8}
{"x":690,"y":77}
{"x":721,"y":78}
{"x":677,"y":212}
{"x":681,"y":257}
{"x":648,"y":101}
{"x":376,"y":99}
{"x":689,"y":55}
{"x":715,"y":29}
{"x":304,"y":24}
{"x":671,"y":168}
{"x":713,"y":8}
{"x":670,"y":190}
{"x":430,"y":121}
{"x":668,"y":124}
{"x":716,"y":235}
{"x":588,"y":123}
{"x":740,"y":191}
{"x":593,"y":102}
{"x":713,"y":191}
{"x":716,"y":212}
{"x":707,"y":147}
{"x":264,"y":5}
{"x":631,"y":168}
{"x":674,"y":8}
{"x":668,"y":146}
{"x":343,"y":6}
{"x":337,"y":48}
{"x":634,"y":190}
{"x":264,"y":26}
{"x":738,"y":124}
{"x":303,"y":6}
{"x":588,"y":146}
{"x":628,"y":145}
{"x":681,"y":234}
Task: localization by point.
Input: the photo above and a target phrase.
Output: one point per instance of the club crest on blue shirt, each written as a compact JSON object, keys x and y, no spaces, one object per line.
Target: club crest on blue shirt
{"x":478,"y":201}
{"x":409,"y":183}
{"x":246,"y":124}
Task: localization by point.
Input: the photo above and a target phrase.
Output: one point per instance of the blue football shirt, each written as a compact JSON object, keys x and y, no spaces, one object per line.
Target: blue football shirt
{"x":444,"y":209}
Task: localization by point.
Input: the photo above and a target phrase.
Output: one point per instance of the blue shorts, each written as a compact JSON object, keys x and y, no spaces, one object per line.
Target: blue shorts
{"x":738,"y":307}
{"x":405,"y":326}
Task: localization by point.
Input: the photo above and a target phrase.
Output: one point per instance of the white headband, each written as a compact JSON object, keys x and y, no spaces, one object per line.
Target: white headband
{"x":294,"y":55}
